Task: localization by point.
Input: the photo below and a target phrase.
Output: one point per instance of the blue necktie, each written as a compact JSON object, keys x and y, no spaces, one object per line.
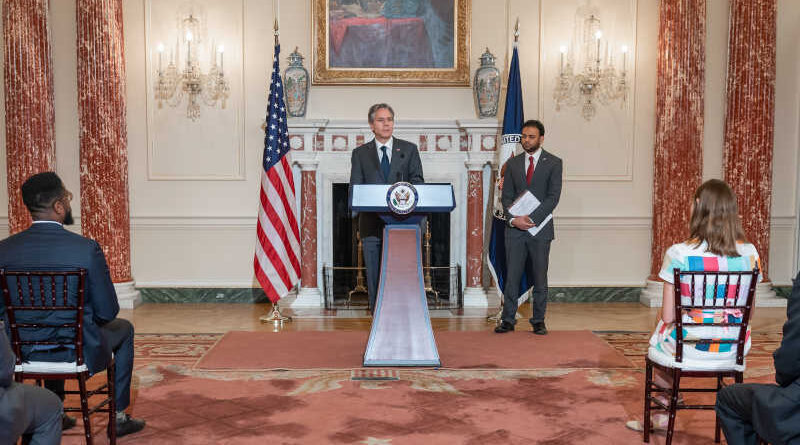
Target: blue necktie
{"x":384,"y":164}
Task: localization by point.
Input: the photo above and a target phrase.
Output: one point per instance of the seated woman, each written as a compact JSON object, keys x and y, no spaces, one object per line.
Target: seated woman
{"x":716,"y":242}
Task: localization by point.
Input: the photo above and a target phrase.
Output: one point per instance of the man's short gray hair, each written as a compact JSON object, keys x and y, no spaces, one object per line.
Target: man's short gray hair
{"x":374,"y":109}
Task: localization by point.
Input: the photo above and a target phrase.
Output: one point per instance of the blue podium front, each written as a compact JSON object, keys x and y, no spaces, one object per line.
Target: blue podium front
{"x":401,"y":333}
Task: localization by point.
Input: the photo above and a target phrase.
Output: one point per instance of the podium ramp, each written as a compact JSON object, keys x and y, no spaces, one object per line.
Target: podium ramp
{"x":401,"y":332}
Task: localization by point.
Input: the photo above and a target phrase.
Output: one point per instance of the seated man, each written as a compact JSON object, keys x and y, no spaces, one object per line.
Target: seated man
{"x":47,"y":245}
{"x":25,"y":410}
{"x":751,"y":410}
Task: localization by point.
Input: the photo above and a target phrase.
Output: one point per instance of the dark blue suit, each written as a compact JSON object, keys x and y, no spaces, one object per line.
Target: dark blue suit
{"x":365,"y":169}
{"x":49,"y":246}
{"x":769,"y":411}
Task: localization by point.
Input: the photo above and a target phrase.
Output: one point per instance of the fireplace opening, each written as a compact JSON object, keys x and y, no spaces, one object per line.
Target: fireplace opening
{"x":345,"y":279}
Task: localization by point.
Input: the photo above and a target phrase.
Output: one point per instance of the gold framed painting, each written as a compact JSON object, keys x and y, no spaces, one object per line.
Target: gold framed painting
{"x":391,"y":42}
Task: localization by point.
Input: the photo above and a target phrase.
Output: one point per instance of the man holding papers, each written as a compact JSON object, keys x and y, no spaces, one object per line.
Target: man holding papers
{"x":531,"y":190}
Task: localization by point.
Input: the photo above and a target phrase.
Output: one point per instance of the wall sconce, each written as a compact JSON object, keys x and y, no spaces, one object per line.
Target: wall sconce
{"x":173,"y":85}
{"x":598,"y":81}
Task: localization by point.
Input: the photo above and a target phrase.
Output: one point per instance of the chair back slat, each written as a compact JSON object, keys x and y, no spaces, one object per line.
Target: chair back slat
{"x":39,"y":320}
{"x":713,"y":302}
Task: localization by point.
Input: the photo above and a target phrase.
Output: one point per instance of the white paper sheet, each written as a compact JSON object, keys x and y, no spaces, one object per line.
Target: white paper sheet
{"x":524,"y":206}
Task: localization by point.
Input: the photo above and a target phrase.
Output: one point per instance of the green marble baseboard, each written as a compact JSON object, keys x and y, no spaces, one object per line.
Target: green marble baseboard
{"x":202,"y":295}
{"x":256,"y":295}
{"x":594,"y":294}
{"x":783,"y":291}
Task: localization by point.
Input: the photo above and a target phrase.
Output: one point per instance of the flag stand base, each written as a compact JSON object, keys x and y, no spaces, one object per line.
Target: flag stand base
{"x":275,"y":316}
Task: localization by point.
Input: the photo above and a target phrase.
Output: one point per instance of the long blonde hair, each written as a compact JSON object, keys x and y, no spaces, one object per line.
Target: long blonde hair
{"x":715,"y":218}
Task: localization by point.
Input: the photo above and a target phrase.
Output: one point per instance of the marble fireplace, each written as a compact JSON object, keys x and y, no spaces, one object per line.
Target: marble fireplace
{"x":459,"y":152}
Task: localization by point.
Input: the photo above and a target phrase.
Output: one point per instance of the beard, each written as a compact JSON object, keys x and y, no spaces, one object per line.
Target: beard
{"x":532,"y":148}
{"x":68,"y":219}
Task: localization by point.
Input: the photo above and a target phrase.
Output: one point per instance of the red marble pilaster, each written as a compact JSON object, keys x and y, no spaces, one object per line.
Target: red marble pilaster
{"x":28,"y":86}
{"x":474,"y":228}
{"x":678,"y":147}
{"x":308,"y":235}
{"x":749,"y":121}
{"x":103,"y":137}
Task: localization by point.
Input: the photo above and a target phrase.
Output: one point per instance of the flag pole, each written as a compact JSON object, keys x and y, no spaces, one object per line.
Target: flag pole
{"x":275,"y":316}
{"x":498,"y":317}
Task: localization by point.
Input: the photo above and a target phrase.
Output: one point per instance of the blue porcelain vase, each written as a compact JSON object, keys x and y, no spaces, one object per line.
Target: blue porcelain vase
{"x":295,"y":81}
{"x":487,"y":86}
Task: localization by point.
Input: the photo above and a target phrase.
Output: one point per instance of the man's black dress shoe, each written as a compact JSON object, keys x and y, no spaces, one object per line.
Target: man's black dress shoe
{"x":67,"y":422}
{"x":539,"y":328}
{"x":129,"y":425}
{"x":504,"y":327}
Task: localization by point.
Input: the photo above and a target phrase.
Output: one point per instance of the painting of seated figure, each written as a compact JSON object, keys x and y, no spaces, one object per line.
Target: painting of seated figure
{"x":391,"y":41}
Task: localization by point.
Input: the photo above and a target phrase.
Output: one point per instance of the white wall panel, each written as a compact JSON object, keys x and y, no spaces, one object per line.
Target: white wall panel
{"x":196,"y":230}
{"x":599,"y":149}
{"x":212,"y":146}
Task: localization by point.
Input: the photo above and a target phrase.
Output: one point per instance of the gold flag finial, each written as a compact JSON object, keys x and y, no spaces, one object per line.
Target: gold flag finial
{"x":516,"y":31}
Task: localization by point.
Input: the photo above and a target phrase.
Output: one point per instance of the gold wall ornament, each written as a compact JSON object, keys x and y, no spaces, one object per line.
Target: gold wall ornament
{"x":340,"y":60}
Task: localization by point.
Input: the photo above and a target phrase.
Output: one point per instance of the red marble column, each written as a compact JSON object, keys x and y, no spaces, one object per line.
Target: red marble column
{"x":28,"y":86}
{"x":474,"y":227}
{"x":308,"y":235}
{"x":103,"y":137}
{"x":749,"y":121}
{"x":678,"y":148}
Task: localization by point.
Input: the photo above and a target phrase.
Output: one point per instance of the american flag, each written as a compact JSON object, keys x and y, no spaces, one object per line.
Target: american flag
{"x":277,"y":258}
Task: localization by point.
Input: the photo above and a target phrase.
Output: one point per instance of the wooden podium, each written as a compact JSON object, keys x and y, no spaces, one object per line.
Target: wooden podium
{"x":401,"y":332}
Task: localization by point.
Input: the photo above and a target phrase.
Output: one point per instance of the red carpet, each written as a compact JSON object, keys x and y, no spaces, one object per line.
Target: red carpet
{"x":457,"y":349}
{"x":186,"y":405}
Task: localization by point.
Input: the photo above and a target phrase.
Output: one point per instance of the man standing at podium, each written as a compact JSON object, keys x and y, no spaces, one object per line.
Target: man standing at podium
{"x":538,"y":172}
{"x":383,"y":160}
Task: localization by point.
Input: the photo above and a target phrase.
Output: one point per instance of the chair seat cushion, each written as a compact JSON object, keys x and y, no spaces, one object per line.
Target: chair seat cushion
{"x":712,"y":363}
{"x":50,"y":367}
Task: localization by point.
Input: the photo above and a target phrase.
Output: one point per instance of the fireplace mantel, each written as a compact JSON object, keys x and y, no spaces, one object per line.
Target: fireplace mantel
{"x":450,"y":150}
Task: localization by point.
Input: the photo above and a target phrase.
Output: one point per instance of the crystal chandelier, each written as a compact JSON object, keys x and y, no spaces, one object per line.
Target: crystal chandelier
{"x":173,"y":85}
{"x":598,"y":81}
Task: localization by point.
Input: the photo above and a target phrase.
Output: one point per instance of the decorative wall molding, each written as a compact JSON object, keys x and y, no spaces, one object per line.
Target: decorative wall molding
{"x":178,"y":222}
{"x":607,"y":141}
{"x":213,"y":147}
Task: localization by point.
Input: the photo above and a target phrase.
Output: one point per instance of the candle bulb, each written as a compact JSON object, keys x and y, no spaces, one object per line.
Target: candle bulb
{"x":624,"y":56}
{"x":598,"y":35}
{"x":160,"y":55}
{"x":221,"y":50}
{"x":189,"y":48}
{"x":212,"y":53}
{"x":562,"y":50}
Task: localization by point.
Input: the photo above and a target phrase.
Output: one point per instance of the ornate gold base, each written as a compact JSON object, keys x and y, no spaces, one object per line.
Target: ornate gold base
{"x":275,"y":316}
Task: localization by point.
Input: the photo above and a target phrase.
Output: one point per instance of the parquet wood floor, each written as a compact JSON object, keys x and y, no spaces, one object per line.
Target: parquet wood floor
{"x":220,"y":318}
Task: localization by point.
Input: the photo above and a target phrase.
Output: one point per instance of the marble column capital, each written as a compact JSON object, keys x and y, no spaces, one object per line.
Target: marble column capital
{"x":478,"y":161}
{"x":307,"y":164}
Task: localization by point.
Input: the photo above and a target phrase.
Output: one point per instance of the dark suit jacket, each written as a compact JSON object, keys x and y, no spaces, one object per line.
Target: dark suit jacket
{"x":49,"y":246}
{"x":365,"y":168}
{"x":7,"y":362}
{"x":545,"y":186}
{"x":779,"y":411}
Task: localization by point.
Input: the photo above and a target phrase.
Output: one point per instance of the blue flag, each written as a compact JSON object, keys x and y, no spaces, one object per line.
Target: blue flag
{"x":513,"y":118}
